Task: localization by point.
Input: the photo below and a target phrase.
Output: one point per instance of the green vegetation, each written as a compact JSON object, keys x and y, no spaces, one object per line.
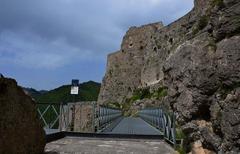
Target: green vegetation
{"x":114,"y":105}
{"x":202,"y":23}
{"x":160,"y":93}
{"x":88,"y":91}
{"x":218,"y":3}
{"x":141,"y":94}
{"x":179,"y":134}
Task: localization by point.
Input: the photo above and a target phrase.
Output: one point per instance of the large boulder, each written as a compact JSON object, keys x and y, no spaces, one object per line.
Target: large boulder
{"x":20,"y":128}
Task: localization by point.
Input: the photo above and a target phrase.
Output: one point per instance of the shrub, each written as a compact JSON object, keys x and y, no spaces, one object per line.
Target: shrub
{"x":202,"y":23}
{"x":141,"y":94}
{"x":115,"y":105}
{"x":160,"y":93}
{"x":180,"y":134}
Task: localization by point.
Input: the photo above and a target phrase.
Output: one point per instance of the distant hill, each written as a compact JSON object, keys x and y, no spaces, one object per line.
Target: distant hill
{"x":88,"y":91}
{"x":33,"y":92}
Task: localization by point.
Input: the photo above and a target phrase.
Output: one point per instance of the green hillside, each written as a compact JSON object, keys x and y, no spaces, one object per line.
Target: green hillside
{"x":88,"y":91}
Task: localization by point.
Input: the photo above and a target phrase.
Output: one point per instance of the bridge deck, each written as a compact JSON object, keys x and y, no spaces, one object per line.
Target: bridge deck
{"x":75,"y":145}
{"x":131,"y":125}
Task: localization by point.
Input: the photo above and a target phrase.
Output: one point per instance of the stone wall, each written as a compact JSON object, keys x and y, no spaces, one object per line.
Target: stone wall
{"x":82,"y":119}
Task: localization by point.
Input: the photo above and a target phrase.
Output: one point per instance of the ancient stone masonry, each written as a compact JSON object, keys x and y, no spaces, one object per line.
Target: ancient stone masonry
{"x":197,"y":59}
{"x":84,"y":116}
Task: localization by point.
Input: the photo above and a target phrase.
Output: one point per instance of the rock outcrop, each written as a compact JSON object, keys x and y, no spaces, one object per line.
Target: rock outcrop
{"x":20,"y":128}
{"x":197,"y":58}
{"x":124,"y":67}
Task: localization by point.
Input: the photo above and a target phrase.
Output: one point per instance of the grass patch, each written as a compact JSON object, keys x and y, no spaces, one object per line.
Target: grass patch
{"x":180,"y":134}
{"x":160,"y":93}
{"x":181,"y":148}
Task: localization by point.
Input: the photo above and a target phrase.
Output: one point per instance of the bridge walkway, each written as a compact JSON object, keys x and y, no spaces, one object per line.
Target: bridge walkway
{"x":134,"y":126}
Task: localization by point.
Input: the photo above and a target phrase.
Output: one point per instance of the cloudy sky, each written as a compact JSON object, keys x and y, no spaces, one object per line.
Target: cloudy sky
{"x":46,"y":43}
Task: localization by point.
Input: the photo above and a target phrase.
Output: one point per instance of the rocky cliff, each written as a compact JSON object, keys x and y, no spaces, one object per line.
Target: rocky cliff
{"x":124,"y":67}
{"x":197,"y":59}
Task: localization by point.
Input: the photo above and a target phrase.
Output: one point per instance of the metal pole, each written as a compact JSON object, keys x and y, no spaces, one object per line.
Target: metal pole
{"x":73,"y":114}
{"x":60,"y":117}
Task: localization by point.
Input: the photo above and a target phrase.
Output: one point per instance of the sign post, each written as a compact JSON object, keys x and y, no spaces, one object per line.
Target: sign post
{"x":74,"y":92}
{"x":74,"y":87}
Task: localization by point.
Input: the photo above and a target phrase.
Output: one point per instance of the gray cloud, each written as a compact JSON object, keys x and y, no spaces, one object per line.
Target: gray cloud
{"x":53,"y":33}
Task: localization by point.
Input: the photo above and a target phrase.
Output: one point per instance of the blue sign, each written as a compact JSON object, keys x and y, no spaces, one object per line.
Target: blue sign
{"x":75,"y":82}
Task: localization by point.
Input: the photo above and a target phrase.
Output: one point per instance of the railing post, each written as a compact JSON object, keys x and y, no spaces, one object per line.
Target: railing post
{"x":174,"y":130}
{"x":60,"y":127}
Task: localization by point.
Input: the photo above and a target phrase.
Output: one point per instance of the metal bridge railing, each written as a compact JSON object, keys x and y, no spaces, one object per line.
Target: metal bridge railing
{"x":59,"y":116}
{"x":49,"y":114}
{"x":105,"y":117}
{"x":161,"y":120}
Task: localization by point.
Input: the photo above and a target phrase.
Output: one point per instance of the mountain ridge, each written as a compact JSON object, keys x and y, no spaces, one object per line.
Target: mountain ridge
{"x":88,"y":91}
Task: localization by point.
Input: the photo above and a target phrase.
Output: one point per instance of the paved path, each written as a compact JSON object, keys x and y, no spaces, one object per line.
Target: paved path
{"x":79,"y":145}
{"x":135,"y":126}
